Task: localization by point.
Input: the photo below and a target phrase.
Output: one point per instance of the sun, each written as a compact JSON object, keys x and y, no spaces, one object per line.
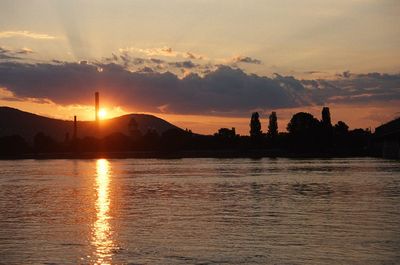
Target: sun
{"x":102,"y":114}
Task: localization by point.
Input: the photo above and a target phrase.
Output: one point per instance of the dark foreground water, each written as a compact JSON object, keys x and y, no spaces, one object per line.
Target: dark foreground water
{"x":200,"y":211}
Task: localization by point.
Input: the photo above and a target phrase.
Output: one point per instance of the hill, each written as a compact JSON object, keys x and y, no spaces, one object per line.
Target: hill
{"x":14,"y":121}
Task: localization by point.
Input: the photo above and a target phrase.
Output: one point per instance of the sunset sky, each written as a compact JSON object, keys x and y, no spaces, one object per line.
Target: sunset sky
{"x":203,"y":64}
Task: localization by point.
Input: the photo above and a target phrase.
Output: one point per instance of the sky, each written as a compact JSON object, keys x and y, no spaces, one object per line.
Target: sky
{"x":203,"y":64}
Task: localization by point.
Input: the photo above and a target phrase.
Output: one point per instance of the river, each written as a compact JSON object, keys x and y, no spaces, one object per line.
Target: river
{"x":200,"y":211}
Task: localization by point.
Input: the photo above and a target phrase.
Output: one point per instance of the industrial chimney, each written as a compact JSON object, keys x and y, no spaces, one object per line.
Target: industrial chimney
{"x":75,"y":128}
{"x":97,"y":103}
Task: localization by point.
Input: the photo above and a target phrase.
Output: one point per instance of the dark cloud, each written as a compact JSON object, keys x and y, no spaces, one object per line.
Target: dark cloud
{"x":224,"y":91}
{"x":313,"y":72}
{"x":15,"y":54}
{"x":184,"y":64}
{"x":346,"y":74}
{"x":157,"y":61}
{"x":125,"y":59}
{"x":138,"y":61}
{"x":246,"y":59}
{"x":221,"y":91}
{"x":6,"y":54}
{"x":355,"y":88}
{"x":146,"y":70}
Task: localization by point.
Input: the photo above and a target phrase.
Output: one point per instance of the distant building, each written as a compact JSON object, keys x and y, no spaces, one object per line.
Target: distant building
{"x":226,"y":132}
{"x":387,"y":139}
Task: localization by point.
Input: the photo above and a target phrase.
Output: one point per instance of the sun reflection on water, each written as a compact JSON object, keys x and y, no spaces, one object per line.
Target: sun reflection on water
{"x":102,"y":233}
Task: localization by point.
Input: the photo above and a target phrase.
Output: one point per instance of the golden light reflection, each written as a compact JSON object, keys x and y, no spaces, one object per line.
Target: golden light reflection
{"x":102,"y":233}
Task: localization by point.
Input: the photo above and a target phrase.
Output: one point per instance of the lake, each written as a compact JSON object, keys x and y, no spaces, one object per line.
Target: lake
{"x":200,"y":211}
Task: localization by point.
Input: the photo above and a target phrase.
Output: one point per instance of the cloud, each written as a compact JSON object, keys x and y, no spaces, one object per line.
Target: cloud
{"x":223,"y":91}
{"x":9,"y":54}
{"x":24,"y":51}
{"x":184,"y":64}
{"x":246,"y":59}
{"x":163,"y":52}
{"x":355,"y":88}
{"x":345,"y":74}
{"x":157,"y":61}
{"x":193,"y":56}
{"x":6,"y":54}
{"x":314,"y":72}
{"x":26,"y":34}
{"x":138,"y":64}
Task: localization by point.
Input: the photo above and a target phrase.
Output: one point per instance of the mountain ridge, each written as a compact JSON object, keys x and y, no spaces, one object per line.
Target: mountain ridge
{"x":26,"y":124}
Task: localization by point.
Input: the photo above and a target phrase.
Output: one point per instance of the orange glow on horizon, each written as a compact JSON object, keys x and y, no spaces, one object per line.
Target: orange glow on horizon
{"x":102,"y":114}
{"x":355,"y":115}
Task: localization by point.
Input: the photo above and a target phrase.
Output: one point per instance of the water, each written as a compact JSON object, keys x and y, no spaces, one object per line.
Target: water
{"x":200,"y":211}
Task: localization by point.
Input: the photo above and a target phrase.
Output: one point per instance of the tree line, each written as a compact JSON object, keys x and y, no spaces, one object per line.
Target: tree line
{"x":304,"y":134}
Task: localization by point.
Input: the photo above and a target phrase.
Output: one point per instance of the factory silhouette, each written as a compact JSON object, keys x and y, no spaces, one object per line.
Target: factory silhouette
{"x":305,"y":136}
{"x":96,"y":119}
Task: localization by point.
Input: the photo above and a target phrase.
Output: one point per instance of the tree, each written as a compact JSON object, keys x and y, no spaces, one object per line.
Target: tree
{"x":326,"y":128}
{"x":44,"y":143}
{"x":326,"y":118}
{"x":341,"y":128}
{"x":273,"y":125}
{"x":13,"y":144}
{"x":255,"y":125}
{"x":302,"y":123}
{"x":304,"y":132}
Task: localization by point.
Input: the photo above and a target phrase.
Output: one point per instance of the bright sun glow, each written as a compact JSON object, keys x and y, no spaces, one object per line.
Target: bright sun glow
{"x":102,"y":114}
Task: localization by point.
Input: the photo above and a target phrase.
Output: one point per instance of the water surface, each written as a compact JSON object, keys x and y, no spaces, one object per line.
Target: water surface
{"x":200,"y":211}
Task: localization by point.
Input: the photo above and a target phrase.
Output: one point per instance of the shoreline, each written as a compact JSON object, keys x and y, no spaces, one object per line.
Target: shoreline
{"x":255,"y":154}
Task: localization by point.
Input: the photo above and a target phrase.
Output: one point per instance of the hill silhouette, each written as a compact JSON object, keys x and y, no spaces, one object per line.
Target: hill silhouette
{"x":23,"y":133}
{"x":27,"y":125}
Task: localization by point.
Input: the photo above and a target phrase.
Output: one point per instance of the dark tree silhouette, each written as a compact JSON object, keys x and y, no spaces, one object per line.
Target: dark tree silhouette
{"x":44,"y":143}
{"x":326,"y":132}
{"x":304,"y":131}
{"x":115,"y":142}
{"x":326,"y":117}
{"x":175,"y":139}
{"x":13,"y":145}
{"x":302,"y":123}
{"x":341,"y":128}
{"x":341,"y":135}
{"x":255,"y":125}
{"x":273,"y":125}
{"x":226,"y":133}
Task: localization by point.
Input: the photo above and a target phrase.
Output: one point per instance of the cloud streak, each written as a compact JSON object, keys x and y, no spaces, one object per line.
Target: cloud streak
{"x":163,"y":52}
{"x":26,"y":34}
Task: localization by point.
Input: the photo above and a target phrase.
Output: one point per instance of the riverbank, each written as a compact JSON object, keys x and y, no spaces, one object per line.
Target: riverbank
{"x":185,"y":154}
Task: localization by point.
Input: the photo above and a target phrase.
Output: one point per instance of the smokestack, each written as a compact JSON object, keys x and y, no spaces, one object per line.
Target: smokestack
{"x":97,"y":103}
{"x":75,"y":128}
